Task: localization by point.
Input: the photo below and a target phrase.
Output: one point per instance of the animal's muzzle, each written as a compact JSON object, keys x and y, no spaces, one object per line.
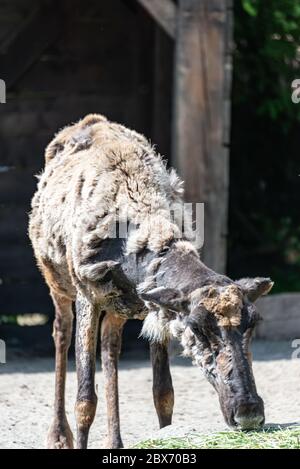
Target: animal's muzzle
{"x":249,"y":415}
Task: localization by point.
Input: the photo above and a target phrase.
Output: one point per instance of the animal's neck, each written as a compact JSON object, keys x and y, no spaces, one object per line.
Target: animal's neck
{"x":136,"y":266}
{"x":179,"y":266}
{"x":183,"y":269}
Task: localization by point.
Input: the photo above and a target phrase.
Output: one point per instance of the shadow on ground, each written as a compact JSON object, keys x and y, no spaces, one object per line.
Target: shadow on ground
{"x":28,"y":362}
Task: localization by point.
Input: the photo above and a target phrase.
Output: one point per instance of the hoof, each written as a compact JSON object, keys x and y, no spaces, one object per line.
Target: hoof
{"x":60,"y":436}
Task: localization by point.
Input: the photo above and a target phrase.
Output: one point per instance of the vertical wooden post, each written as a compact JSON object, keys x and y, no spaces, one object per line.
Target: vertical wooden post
{"x":162,"y":94}
{"x":201,"y":122}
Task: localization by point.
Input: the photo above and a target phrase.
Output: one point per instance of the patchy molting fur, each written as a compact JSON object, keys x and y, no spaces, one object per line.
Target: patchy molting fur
{"x":160,"y":325}
{"x":156,"y":326}
{"x":97,"y":173}
{"x":97,"y":170}
{"x":226,"y":305}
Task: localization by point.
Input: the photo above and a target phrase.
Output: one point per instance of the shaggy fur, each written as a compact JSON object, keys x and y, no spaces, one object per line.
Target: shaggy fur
{"x":99,"y":179}
{"x":226,"y":305}
{"x":95,"y":171}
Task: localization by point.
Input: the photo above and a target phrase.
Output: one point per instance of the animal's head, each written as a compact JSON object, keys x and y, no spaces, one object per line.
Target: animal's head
{"x":215,"y":324}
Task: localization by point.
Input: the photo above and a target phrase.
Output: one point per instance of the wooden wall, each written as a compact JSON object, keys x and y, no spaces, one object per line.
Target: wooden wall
{"x":62,"y":60}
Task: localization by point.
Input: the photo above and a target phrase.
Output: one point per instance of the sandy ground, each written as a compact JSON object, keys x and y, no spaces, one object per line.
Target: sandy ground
{"x":26,"y":395}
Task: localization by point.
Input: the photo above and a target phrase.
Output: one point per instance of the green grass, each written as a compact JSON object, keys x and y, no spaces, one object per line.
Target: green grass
{"x":269,"y":438}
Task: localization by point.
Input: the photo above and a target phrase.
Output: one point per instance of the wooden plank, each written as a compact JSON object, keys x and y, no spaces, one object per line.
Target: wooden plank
{"x":198,"y":137}
{"x":13,"y":227}
{"x":19,"y":272}
{"x":22,"y":152}
{"x":142,"y":101}
{"x":15,"y":11}
{"x":16,"y":189}
{"x":17,"y":261}
{"x":25,"y":298}
{"x":163,"y":12}
{"x":39,"y":31}
{"x":36,"y":340}
{"x":162,"y":92}
{"x":20,"y":18}
{"x":20,"y":266}
{"x":57,"y":76}
{"x":228,"y":72}
{"x":24,"y":132}
{"x":5,"y":29}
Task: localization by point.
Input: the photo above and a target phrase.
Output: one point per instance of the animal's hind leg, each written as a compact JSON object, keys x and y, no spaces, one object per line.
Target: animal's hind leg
{"x":60,"y":435}
{"x":111,"y":336}
{"x":163,"y":393}
{"x":87,"y":321}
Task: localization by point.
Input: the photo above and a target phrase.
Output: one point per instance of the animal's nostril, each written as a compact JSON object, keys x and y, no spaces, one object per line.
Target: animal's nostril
{"x":261,"y":421}
{"x":249,"y":415}
{"x":249,"y":422}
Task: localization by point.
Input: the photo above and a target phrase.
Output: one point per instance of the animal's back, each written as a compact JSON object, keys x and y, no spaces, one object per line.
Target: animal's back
{"x":97,"y":171}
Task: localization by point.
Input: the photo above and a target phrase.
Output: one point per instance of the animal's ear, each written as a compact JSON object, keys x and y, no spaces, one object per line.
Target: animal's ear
{"x":255,"y":287}
{"x":169,"y":298}
{"x":95,"y":272}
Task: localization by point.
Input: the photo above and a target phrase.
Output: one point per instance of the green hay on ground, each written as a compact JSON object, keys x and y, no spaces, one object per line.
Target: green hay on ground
{"x":269,"y":438}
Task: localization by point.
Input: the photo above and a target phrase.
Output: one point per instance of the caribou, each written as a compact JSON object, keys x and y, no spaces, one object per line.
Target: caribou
{"x":99,"y":175}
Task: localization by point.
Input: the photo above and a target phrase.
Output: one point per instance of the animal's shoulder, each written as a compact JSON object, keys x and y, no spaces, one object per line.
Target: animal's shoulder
{"x":93,"y":129}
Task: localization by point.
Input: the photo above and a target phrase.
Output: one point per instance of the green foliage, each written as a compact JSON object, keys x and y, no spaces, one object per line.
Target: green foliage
{"x":267,"y":55}
{"x":250,"y":7}
{"x":264,"y":227}
{"x":4,"y":319}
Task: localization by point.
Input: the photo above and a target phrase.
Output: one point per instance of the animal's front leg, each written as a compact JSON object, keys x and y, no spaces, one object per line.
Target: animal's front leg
{"x":87,"y":320}
{"x":60,"y":435}
{"x":111,"y":336}
{"x":163,"y":393}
